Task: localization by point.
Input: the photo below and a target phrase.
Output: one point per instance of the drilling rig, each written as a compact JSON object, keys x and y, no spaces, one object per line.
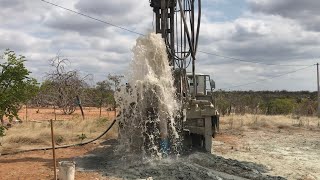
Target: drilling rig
{"x":178,"y":22}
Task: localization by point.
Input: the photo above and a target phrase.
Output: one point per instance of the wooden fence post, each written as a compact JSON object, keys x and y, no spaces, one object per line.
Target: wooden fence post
{"x":53,"y":151}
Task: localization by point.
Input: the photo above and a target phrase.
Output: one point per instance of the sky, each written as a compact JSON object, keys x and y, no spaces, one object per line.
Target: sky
{"x":277,"y":32}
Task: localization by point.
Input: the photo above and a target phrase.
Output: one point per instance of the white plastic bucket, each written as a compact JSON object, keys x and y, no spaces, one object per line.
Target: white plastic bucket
{"x":67,"y":170}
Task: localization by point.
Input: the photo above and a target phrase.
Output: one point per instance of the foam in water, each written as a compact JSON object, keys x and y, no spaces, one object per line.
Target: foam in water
{"x":148,"y":104}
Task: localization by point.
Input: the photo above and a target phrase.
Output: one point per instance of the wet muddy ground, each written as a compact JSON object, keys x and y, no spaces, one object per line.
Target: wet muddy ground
{"x":194,"y":166}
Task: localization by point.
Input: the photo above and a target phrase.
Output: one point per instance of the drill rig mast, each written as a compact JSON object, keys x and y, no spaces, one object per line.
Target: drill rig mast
{"x":178,"y":21}
{"x":175,"y":21}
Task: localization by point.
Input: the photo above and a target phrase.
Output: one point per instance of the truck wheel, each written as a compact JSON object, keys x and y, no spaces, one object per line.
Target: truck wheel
{"x":214,"y":131}
{"x":215,"y":125}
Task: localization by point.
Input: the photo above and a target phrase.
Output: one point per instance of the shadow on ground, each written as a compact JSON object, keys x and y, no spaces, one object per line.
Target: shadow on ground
{"x":194,"y":166}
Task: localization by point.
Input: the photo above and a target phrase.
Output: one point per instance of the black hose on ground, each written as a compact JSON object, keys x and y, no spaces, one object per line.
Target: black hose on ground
{"x":65,"y":146}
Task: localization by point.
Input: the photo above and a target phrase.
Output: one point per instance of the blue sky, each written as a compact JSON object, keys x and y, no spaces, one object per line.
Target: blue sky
{"x":221,"y":11}
{"x":267,"y":31}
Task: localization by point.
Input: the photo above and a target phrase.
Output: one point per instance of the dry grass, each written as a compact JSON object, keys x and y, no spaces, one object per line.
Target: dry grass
{"x":69,"y":128}
{"x":262,"y":121}
{"x":35,"y":114}
{"x":37,"y":134}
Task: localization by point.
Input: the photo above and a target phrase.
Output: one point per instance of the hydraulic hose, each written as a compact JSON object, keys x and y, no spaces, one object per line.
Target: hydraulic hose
{"x":65,"y":146}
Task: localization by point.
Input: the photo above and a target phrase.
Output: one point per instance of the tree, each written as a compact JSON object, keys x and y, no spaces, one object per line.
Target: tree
{"x":222,"y":103}
{"x":116,"y":80}
{"x":65,"y":87}
{"x":45,"y":96}
{"x":16,"y":86}
{"x":104,"y":94}
{"x":281,"y":106}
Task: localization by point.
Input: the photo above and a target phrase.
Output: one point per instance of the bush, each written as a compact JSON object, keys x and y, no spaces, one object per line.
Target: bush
{"x":2,"y":131}
{"x":59,"y":139}
{"x":281,"y":106}
{"x":82,"y":137}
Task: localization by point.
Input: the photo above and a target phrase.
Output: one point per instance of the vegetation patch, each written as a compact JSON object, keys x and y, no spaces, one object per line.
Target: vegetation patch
{"x":38,"y":134}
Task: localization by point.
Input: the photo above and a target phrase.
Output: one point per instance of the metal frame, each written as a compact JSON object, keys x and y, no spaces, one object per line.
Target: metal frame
{"x":176,"y":22}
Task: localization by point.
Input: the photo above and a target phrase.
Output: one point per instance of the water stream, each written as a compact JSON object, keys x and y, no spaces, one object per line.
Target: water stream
{"x":148,"y":105}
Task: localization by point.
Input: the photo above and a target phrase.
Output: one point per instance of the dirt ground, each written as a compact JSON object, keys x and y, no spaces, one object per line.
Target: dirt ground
{"x":280,"y":149}
{"x":39,"y":165}
{"x":287,"y":151}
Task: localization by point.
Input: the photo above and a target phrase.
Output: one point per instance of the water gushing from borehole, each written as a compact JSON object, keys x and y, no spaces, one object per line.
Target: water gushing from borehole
{"x":148,"y":104}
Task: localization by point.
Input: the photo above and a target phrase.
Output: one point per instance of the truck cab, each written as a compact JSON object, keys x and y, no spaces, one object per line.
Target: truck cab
{"x":204,"y":86}
{"x":201,"y":118}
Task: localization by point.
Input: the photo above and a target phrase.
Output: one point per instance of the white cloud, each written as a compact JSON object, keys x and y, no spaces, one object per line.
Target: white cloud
{"x":268,"y":33}
{"x":306,"y":12}
{"x":266,"y":37}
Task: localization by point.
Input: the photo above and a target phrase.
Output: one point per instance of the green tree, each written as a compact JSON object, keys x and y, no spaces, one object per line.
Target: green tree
{"x":104,"y":92}
{"x":222,"y":103}
{"x":16,"y":86}
{"x":281,"y":106}
{"x":116,"y":80}
{"x":45,"y":96}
